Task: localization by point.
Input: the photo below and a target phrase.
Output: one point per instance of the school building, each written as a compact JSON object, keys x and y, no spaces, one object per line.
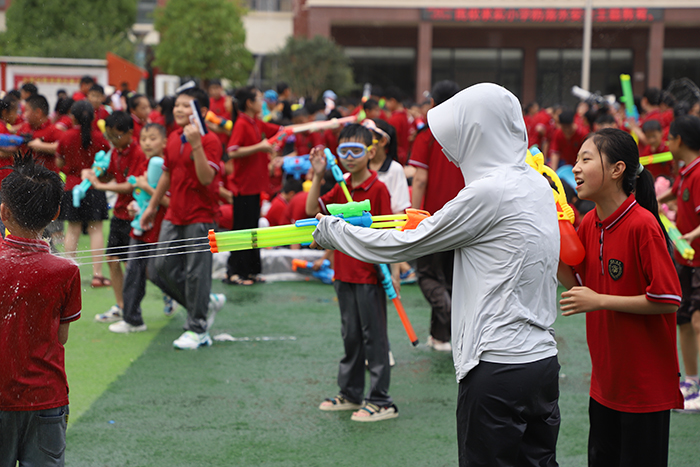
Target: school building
{"x":534,"y":48}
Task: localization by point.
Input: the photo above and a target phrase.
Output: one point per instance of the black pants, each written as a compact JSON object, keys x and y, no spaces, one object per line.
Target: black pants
{"x":435,"y":280}
{"x":246,"y":213}
{"x":508,"y":415}
{"x":622,"y":439}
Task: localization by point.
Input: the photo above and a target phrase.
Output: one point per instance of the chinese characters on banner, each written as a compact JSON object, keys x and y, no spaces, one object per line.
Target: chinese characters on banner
{"x":540,"y":15}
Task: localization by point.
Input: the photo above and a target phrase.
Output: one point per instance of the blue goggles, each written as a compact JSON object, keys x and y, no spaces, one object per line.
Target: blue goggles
{"x":351,"y":149}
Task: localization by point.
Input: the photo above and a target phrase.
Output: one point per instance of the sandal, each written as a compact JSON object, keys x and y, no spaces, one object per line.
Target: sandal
{"x":338,"y":403}
{"x":374,"y":413}
{"x":237,"y":280}
{"x":100,"y":281}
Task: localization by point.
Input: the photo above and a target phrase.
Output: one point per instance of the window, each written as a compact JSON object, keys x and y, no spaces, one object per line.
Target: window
{"x":470,"y":66}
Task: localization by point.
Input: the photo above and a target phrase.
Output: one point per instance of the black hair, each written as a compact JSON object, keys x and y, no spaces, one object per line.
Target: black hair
{"x":605,"y":119}
{"x":30,"y":88}
{"x":618,"y":145}
{"x":393,"y":92}
{"x":357,"y":132}
{"x":32,"y":192}
{"x":197,"y":94}
{"x":370,"y":104}
{"x":97,"y":88}
{"x":653,"y":95}
{"x":651,"y":125}
{"x":391,"y":149}
{"x":687,"y":127}
{"x":87,"y":79}
{"x":133,"y":101}
{"x":84,"y":114}
{"x":15,"y":93}
{"x":63,"y":106}
{"x":155,"y":126}
{"x":292,"y":184}
{"x":120,"y":121}
{"x":167,"y":104}
{"x":39,"y":102}
{"x":443,"y":90}
{"x":281,"y":87}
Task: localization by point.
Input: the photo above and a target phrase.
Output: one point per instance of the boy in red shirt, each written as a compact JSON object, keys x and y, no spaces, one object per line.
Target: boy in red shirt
{"x":360,"y":296}
{"x":39,"y":298}
{"x":127,"y":159}
{"x":566,"y":141}
{"x":399,"y":120}
{"x":189,"y":172}
{"x":278,"y":214}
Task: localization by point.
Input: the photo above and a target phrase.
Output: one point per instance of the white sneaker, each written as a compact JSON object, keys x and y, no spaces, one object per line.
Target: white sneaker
{"x":191,"y":340}
{"x":110,"y":316}
{"x":216,"y":303}
{"x":122,"y":327}
{"x":440,"y":346}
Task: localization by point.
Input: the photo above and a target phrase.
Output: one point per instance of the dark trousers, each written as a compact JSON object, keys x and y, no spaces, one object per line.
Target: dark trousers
{"x":363,"y":328}
{"x":246,"y":213}
{"x":622,"y":439}
{"x":187,"y":277}
{"x":508,"y":415}
{"x":139,"y":268}
{"x":435,"y":280}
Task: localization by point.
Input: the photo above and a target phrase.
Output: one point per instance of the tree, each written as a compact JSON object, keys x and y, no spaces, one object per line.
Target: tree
{"x":204,"y":39}
{"x":69,"y":28}
{"x":310,"y":66}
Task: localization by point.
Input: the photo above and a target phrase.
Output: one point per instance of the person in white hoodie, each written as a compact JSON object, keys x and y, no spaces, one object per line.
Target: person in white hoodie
{"x":503,"y":228}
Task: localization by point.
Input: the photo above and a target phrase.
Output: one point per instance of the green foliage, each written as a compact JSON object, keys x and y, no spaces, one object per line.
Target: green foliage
{"x":310,"y":66}
{"x":203,"y":39}
{"x":69,"y":28}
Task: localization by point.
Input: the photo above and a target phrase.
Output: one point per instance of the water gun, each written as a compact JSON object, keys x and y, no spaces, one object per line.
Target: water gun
{"x":13,"y":140}
{"x":155,"y":170}
{"x":571,"y":249}
{"x":356,"y":213}
{"x":324,"y":274}
{"x":196,"y":120}
{"x":656,"y":158}
{"x":296,"y":165}
{"x":681,"y":245}
{"x":628,"y":98}
{"x":286,"y":131}
{"x":337,"y":173}
{"x":219,"y":121}
{"x":99,"y":167}
{"x":391,"y":293}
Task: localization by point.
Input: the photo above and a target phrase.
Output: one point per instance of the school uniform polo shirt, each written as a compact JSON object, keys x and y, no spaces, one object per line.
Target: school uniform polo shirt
{"x":347,"y":268}
{"x":687,"y":190}
{"x":122,"y":164}
{"x":634,"y":357}
{"x":445,"y":180}
{"x":250,"y":173}
{"x":190,"y":201}
{"x":48,"y":133}
{"x":38,"y":292}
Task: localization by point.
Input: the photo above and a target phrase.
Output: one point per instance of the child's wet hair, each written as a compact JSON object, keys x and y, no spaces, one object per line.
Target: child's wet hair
{"x":31,"y":192}
{"x":356,"y":132}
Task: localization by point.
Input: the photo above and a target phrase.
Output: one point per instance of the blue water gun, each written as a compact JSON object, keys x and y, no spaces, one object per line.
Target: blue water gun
{"x":155,"y":170}
{"x":99,"y":167}
{"x":296,"y":165}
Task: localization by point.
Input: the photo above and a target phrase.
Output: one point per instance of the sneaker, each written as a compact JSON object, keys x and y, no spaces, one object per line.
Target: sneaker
{"x":191,"y":340}
{"x":216,"y":303}
{"x":122,"y":327}
{"x":440,"y":346}
{"x":374,"y":413}
{"x":110,"y":316}
{"x":169,"y":305}
{"x":689,"y":388}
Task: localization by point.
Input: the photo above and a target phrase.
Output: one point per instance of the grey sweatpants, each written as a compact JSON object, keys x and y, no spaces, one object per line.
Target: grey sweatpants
{"x":187,"y":277}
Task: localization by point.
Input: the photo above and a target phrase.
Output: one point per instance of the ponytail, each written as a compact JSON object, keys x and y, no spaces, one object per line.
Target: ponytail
{"x":84,"y":114}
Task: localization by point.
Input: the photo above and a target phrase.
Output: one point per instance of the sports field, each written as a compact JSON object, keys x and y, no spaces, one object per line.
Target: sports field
{"x":137,"y":402}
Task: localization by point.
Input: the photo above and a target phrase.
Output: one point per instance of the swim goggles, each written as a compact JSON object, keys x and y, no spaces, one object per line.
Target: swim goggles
{"x":356,"y":150}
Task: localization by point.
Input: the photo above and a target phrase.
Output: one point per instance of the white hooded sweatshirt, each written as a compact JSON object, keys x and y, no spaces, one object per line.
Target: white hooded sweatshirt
{"x":502,"y":226}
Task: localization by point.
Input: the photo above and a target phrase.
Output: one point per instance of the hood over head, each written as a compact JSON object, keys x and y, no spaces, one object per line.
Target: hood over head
{"x":480,"y":129}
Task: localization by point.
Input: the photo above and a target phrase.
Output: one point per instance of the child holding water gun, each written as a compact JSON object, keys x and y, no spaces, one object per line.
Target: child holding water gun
{"x":627,"y":287}
{"x":361,"y":296}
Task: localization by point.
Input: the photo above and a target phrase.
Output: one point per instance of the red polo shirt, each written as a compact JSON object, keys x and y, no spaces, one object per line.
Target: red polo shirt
{"x":38,"y":292}
{"x":190,"y":201}
{"x":445,"y":179}
{"x":123,"y":163}
{"x":567,"y":147}
{"x":48,"y":133}
{"x":399,"y":120}
{"x":347,"y":268}
{"x":77,"y":158}
{"x":634,"y":357}
{"x":687,"y":191}
{"x":250,"y":173}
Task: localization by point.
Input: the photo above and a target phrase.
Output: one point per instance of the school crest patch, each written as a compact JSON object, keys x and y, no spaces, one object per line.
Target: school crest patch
{"x":615,"y":268}
{"x":686,"y":194}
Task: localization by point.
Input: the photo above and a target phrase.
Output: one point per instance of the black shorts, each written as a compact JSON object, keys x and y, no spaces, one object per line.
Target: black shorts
{"x":92,"y":208}
{"x":690,"y":288}
{"x":118,"y":241}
